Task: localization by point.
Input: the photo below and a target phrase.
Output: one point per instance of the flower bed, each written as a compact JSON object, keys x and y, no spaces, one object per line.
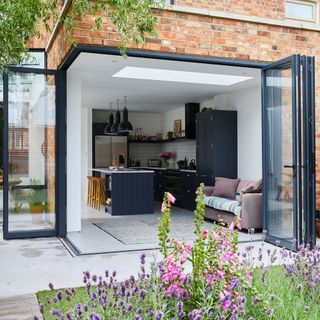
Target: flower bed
{"x":221,"y":284}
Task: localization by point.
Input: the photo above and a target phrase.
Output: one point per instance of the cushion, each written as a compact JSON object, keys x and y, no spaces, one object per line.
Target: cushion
{"x":225,"y":188}
{"x":252,"y":187}
{"x":224,"y":204}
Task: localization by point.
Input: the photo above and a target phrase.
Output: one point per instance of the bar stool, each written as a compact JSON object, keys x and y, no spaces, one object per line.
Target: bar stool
{"x":99,"y":192}
{"x":91,"y":191}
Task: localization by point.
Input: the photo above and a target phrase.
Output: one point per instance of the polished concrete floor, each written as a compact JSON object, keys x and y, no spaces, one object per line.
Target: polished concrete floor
{"x":93,"y":240}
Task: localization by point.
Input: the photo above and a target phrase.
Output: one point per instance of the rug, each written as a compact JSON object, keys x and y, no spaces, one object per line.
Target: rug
{"x":143,"y":229}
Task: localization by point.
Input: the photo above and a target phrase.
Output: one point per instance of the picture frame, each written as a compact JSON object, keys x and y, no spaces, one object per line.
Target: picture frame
{"x":177,"y":127}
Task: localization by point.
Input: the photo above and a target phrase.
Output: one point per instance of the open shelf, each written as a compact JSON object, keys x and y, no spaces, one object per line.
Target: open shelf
{"x":162,"y":141}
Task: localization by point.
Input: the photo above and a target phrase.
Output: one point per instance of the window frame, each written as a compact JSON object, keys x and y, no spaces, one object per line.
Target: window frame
{"x":313,"y":3}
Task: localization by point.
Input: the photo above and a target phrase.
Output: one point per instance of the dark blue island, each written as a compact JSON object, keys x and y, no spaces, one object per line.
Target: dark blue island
{"x":128,"y":191}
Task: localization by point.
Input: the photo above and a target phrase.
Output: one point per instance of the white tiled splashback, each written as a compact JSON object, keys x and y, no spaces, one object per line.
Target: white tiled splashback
{"x":145,"y":151}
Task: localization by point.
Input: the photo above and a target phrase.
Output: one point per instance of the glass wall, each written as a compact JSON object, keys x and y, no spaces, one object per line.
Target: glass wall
{"x":31,"y":146}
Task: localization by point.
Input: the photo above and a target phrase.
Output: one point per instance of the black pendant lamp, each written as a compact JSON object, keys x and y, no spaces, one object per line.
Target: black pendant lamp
{"x":115,"y":126}
{"x":108,"y":127}
{"x":125,"y":125}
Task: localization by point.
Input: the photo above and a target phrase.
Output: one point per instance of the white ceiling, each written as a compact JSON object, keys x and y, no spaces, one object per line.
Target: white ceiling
{"x":99,"y":88}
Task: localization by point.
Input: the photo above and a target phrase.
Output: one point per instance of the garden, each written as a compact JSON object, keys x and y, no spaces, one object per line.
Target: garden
{"x":206,"y":279}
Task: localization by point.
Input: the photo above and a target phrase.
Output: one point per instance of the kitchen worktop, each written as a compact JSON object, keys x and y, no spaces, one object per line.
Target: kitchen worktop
{"x":161,"y":168}
{"x":114,"y":171}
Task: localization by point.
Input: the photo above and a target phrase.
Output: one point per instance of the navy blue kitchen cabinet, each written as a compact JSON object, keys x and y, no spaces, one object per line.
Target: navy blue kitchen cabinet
{"x":217,"y":147}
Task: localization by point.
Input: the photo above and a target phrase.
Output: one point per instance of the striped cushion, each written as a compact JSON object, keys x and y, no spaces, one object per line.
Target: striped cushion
{"x":229,"y":205}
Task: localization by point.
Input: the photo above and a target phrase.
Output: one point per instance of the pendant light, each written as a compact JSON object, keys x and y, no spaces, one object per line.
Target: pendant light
{"x":115,"y":126}
{"x":108,"y":127}
{"x":125,"y":125}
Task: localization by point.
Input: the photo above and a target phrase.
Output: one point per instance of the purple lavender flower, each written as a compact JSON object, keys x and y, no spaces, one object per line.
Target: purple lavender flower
{"x":51,"y":286}
{"x":114,"y":273}
{"x":79,"y":309}
{"x":143,"y":258}
{"x":159,"y":315}
{"x":69,"y":316}
{"x":41,"y":308}
{"x":180,"y":311}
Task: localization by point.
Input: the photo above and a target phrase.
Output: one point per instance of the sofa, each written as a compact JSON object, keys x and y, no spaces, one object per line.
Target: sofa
{"x":246,"y":206}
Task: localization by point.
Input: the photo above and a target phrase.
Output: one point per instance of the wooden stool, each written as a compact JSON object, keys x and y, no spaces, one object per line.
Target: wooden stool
{"x":100,"y":192}
{"x":91,"y":191}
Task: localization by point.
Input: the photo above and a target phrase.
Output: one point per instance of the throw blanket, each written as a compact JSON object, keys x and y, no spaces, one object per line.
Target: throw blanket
{"x":230,"y":205}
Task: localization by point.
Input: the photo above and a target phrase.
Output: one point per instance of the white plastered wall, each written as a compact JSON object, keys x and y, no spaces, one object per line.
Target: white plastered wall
{"x":74,"y":152}
{"x":248,"y":104}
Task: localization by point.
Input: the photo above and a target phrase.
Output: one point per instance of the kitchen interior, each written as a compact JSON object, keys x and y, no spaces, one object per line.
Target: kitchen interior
{"x":150,"y":126}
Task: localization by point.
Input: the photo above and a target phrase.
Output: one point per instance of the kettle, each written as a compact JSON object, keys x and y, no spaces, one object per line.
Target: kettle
{"x":192,"y":164}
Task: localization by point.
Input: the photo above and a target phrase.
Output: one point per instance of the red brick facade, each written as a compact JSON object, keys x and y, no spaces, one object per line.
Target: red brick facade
{"x":216,"y":29}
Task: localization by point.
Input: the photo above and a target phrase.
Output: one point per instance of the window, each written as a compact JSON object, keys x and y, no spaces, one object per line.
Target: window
{"x":301,"y":10}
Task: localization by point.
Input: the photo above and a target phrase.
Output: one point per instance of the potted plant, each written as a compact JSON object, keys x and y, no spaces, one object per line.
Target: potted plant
{"x":165,"y":156}
{"x":38,"y":196}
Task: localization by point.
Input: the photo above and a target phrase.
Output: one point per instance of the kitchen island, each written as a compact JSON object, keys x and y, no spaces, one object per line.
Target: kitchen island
{"x":128,"y":191}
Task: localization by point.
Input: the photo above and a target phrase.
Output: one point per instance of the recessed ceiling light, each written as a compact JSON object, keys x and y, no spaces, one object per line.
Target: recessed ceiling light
{"x":179,"y":76}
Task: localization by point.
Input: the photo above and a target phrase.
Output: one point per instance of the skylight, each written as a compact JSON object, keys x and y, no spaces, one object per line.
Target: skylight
{"x":179,"y":76}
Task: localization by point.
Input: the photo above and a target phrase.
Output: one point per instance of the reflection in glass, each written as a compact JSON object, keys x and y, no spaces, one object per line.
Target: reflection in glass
{"x":31,"y":143}
{"x":280,"y":179}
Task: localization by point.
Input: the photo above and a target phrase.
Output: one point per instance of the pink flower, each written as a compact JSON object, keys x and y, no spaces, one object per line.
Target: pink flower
{"x":163,"y":207}
{"x":231,"y":227}
{"x":216,"y":237}
{"x":188,"y":247}
{"x":220,"y":274}
{"x":184,"y":256}
{"x":249,"y":275}
{"x":210,"y":279}
{"x":205,"y":233}
{"x":171,"y":198}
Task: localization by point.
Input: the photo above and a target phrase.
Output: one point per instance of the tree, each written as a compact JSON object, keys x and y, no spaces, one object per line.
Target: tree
{"x":20,"y":21}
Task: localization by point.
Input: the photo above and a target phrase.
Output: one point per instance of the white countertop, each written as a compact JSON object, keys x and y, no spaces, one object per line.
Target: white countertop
{"x":125,"y":170}
{"x":162,"y":168}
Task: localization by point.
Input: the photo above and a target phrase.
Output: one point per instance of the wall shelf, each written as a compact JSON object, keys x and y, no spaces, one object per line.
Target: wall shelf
{"x":162,"y":141}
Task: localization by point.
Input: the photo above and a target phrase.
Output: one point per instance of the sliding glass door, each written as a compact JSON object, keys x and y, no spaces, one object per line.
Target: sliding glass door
{"x":30,"y":147}
{"x":288,"y":122}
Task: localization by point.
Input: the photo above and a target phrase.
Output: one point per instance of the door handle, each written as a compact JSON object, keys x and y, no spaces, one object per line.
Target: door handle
{"x":293,"y":167}
{"x":287,"y":166}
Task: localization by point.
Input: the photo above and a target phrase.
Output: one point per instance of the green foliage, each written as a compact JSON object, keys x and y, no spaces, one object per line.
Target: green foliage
{"x":164,"y":225}
{"x":20,"y":19}
{"x":39,"y":193}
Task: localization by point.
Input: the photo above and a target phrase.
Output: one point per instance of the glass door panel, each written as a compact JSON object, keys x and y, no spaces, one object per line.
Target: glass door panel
{"x":281,"y":177}
{"x":31,"y":152}
{"x":289,"y":185}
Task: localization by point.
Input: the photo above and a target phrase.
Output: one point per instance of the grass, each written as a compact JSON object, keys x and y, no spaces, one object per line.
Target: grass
{"x":288,"y":302}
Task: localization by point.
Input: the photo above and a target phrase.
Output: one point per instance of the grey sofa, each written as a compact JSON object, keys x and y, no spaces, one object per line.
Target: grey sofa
{"x":226,"y":210}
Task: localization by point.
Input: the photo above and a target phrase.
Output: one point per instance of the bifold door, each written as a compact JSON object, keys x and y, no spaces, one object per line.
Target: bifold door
{"x":289,"y":151}
{"x":31,"y":177}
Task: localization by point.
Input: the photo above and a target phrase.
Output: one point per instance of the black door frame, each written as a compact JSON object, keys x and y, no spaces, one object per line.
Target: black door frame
{"x":60,"y":191}
{"x":61,"y":116}
{"x":303,"y":127}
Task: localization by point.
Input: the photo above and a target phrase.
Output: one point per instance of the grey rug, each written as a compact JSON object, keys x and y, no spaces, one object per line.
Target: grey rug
{"x":142,"y":229}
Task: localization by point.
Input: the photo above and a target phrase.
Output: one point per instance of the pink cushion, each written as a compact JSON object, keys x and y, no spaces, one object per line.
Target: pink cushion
{"x":252,"y":187}
{"x":225,"y":188}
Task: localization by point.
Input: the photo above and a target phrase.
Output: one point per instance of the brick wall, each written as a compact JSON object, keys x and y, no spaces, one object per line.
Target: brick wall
{"x":273,"y":9}
{"x":204,"y":35}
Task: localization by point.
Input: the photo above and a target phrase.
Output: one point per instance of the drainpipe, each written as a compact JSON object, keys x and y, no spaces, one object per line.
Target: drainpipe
{"x":63,"y":13}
